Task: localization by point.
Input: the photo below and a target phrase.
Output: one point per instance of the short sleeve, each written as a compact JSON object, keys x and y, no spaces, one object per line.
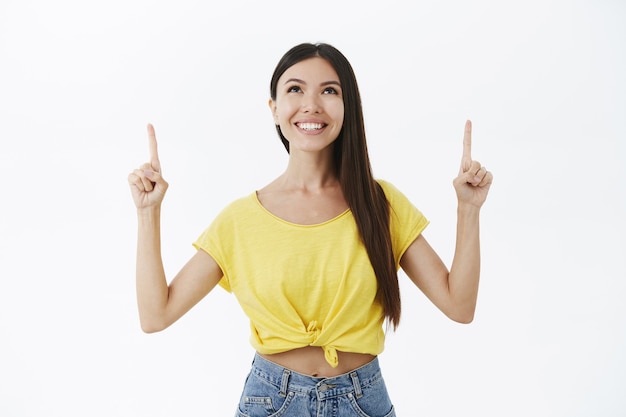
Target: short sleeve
{"x":406,"y":221}
{"x":216,"y":240}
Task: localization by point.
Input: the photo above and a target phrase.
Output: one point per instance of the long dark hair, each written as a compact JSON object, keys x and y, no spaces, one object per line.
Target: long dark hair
{"x":364,"y":195}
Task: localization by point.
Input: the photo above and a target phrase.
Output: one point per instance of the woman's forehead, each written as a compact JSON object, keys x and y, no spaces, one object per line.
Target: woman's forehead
{"x":311,"y":69}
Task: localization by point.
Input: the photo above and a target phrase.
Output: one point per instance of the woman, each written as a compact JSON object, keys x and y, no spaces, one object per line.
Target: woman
{"x":313,"y":256}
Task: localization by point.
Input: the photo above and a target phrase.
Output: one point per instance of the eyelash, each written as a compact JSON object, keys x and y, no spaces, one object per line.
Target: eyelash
{"x":297,"y":89}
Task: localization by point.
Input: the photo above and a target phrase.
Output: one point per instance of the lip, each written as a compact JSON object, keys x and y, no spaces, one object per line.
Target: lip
{"x":311,"y":121}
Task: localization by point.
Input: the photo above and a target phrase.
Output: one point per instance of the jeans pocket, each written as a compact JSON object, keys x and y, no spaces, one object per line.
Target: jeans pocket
{"x":370,"y":408}
{"x":264,"y":406}
{"x":262,"y":399}
{"x":374,"y":402}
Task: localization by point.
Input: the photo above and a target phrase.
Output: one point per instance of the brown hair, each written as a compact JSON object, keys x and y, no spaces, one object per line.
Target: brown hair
{"x":364,"y":195}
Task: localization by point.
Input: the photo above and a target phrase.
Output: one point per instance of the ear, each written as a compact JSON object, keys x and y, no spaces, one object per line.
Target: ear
{"x":274,"y":111}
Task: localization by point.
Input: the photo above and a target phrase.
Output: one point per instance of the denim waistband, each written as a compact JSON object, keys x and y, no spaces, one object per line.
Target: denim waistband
{"x":287,"y":380}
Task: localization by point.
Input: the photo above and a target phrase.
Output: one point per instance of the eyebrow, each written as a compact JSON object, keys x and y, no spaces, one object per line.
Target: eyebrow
{"x":325,"y":83}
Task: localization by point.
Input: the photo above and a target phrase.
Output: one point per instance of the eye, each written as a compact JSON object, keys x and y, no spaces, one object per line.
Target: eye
{"x":330,"y":90}
{"x":294,"y":89}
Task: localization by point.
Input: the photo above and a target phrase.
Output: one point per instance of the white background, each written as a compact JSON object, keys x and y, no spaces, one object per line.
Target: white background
{"x":543,"y":82}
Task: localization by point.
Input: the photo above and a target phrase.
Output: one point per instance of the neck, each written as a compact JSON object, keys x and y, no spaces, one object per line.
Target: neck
{"x":310,"y":171}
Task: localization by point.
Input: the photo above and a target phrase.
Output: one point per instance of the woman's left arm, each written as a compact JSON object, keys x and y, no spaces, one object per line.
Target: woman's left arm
{"x":455,"y":291}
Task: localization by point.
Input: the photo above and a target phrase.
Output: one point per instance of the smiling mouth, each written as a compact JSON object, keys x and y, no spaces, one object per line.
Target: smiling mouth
{"x":310,"y":126}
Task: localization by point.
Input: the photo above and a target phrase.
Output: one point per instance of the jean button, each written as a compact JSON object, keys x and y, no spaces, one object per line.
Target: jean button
{"x":325,"y":387}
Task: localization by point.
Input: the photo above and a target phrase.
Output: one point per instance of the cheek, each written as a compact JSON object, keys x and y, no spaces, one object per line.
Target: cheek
{"x":286,"y":110}
{"x":338,"y":112}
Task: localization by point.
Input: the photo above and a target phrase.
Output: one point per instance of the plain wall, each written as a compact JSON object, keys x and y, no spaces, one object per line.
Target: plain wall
{"x":543,"y":82}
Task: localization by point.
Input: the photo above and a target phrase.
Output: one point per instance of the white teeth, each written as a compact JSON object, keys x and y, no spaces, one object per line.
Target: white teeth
{"x":310,"y":126}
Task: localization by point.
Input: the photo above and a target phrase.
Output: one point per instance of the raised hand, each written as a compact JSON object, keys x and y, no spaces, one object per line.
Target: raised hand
{"x":473,"y":182}
{"x":147,"y":186}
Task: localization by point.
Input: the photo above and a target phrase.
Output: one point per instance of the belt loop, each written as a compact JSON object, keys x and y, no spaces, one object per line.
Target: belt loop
{"x":357,"y":385}
{"x":283,"y":383}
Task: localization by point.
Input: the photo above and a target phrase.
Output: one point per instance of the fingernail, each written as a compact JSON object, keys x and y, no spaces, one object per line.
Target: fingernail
{"x":476,"y":180}
{"x":147,"y":173}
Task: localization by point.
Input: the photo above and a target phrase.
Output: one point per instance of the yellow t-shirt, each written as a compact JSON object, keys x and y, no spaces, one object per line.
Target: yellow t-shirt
{"x":306,"y":285}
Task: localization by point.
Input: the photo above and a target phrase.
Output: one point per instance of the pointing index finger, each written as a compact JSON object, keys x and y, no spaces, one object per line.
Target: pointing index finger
{"x":152,"y":144}
{"x":467,"y":146}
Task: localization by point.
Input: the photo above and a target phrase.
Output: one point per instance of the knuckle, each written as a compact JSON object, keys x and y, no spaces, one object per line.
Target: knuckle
{"x":134,"y":179}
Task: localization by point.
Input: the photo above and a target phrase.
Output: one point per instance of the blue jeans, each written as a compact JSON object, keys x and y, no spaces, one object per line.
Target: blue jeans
{"x":272,"y":391}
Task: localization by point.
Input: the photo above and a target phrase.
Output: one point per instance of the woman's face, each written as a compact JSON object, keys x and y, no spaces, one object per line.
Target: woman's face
{"x":309,"y":105}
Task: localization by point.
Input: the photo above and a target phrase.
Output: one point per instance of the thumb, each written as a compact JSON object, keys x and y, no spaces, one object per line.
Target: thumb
{"x":157,"y":179}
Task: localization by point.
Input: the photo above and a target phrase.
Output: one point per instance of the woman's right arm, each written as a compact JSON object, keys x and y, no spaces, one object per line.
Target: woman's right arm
{"x":161,"y":304}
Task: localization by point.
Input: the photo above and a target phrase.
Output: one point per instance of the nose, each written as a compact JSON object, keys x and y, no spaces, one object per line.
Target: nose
{"x":311,"y":104}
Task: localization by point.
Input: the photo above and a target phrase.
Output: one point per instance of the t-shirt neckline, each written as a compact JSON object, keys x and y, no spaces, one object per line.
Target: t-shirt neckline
{"x":255,"y":197}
